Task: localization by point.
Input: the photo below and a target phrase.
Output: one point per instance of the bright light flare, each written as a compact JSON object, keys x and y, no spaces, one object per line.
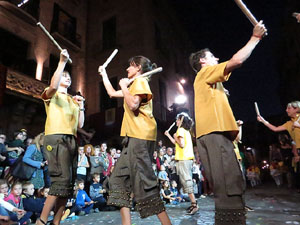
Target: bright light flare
{"x":180,"y":99}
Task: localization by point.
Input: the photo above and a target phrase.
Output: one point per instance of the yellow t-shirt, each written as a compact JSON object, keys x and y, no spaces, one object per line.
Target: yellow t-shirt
{"x":62,"y":114}
{"x":141,"y":123}
{"x":212,"y":109}
{"x":294,"y":132}
{"x":187,"y":152}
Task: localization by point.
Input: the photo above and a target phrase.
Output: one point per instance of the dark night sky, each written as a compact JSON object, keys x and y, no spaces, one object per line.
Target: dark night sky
{"x":222,"y":27}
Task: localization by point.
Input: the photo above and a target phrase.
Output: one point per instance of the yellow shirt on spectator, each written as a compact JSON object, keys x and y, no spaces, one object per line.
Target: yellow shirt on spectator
{"x":187,"y":152}
{"x":140,"y":124}
{"x":62,"y":114}
{"x":212,"y":109}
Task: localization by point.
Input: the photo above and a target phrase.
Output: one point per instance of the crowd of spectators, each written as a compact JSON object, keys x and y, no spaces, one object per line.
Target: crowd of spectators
{"x":22,"y":200}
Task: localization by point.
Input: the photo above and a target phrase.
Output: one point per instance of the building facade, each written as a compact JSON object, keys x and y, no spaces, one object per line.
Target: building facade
{"x":90,"y":31}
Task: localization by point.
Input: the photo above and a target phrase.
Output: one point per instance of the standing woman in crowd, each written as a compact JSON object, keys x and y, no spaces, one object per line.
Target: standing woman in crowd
{"x":34,"y":157}
{"x":184,"y":155}
{"x":133,"y":172}
{"x":64,"y":115}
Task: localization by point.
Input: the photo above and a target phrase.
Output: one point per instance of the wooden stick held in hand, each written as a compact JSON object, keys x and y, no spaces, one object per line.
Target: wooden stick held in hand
{"x":157,"y":70}
{"x":113,"y":54}
{"x":246,"y":11}
{"x":256,"y":109}
{"x":173,"y":124}
{"x":39,"y":24}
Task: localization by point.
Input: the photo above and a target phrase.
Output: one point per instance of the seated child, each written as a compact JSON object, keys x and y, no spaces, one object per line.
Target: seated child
{"x":174,"y":191}
{"x":30,"y":202}
{"x":15,"y":199}
{"x":83,"y":203}
{"x":166,"y":193}
{"x":43,"y":192}
{"x":96,"y":193}
{"x":6,"y":207}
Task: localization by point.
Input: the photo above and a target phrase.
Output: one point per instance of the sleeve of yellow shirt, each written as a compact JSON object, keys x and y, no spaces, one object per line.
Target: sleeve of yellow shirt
{"x":216,"y":74}
{"x":180,"y":132}
{"x":140,"y":86}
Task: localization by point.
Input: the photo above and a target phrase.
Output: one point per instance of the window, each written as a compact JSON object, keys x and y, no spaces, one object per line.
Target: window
{"x":105,"y":101}
{"x":109,"y":33}
{"x":64,"y":24}
{"x":13,"y":53}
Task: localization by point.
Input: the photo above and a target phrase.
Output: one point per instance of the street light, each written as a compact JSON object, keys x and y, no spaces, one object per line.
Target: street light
{"x":180,"y":99}
{"x":182,"y":81}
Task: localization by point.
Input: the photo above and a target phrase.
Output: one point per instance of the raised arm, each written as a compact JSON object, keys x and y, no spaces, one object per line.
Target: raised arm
{"x":243,"y":54}
{"x":55,"y":80}
{"x":109,"y":88}
{"x":270,"y":126}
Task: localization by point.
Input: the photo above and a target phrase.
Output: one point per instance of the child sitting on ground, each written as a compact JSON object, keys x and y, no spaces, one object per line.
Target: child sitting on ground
{"x":15,"y":199}
{"x":166,"y":193}
{"x":30,"y":202}
{"x":6,"y":207}
{"x":83,"y":203}
{"x":174,"y":191}
{"x":96,"y":193}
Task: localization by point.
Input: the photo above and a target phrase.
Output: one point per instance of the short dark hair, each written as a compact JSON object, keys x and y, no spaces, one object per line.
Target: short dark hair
{"x":94,"y":175}
{"x":195,"y":59}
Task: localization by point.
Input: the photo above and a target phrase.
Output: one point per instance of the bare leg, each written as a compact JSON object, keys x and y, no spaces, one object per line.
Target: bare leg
{"x":48,"y":206}
{"x":192,"y":197}
{"x":59,"y":209}
{"x":125,"y":215}
{"x":164,"y":218}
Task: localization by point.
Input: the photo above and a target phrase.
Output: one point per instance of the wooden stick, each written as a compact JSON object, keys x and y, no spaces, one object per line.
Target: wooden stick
{"x":39,"y":24}
{"x":256,"y":109}
{"x":246,"y":11}
{"x":157,"y":70}
{"x":173,"y":124}
{"x":110,"y":58}
{"x":181,"y":121}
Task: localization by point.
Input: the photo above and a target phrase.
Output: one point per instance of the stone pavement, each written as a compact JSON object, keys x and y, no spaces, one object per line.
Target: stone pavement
{"x":272,"y":206}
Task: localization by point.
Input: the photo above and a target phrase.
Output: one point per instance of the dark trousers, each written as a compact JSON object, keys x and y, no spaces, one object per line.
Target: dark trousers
{"x":77,"y":208}
{"x":100,"y":203}
{"x":222,"y":170}
{"x":133,"y":173}
{"x":26,"y":217}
